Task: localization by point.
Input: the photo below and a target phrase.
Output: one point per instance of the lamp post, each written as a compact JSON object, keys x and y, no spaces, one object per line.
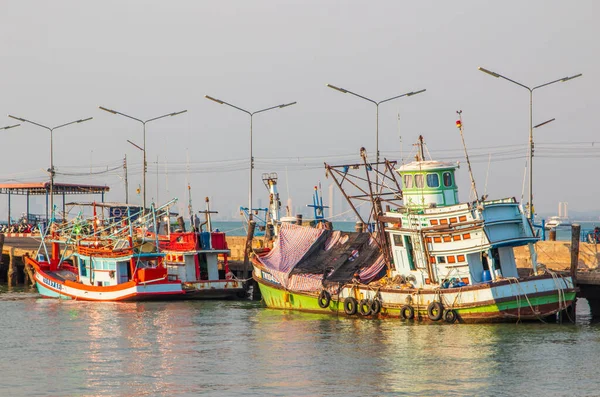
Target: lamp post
{"x":143,"y":148}
{"x":251,"y":114}
{"x":345,"y":91}
{"x":498,"y":75}
{"x":51,"y":129}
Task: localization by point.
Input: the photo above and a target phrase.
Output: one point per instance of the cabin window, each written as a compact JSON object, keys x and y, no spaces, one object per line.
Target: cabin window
{"x":451,"y":259}
{"x":410,"y":252}
{"x":466,"y":236}
{"x":419,"y":180}
{"x":447,"y":179}
{"x":433,"y":180}
{"x":447,"y":239}
{"x":408,"y":181}
{"x":82,"y":268}
{"x":462,"y":218}
{"x":434,"y":222}
{"x":398,"y":240}
{"x":456,"y":237}
{"x":441,"y":259}
{"x":460,"y":258}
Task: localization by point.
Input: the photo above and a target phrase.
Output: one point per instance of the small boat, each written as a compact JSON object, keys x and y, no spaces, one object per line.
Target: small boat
{"x":557,"y":221}
{"x":94,"y":260}
{"x":192,"y":258}
{"x":429,"y":257}
{"x":562,"y":220}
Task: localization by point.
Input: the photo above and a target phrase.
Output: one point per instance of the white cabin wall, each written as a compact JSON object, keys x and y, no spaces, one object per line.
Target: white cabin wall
{"x":475,"y":266}
{"x":507,"y":262}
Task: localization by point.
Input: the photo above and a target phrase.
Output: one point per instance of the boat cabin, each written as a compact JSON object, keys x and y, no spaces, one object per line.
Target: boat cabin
{"x":437,"y":242}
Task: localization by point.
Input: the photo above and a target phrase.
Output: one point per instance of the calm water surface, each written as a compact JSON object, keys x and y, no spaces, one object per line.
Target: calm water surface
{"x":64,"y":348}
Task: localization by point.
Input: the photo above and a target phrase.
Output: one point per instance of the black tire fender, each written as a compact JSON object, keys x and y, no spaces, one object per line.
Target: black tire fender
{"x":375,"y":306}
{"x":324,"y":299}
{"x":350,"y":306}
{"x":364,"y":307}
{"x":450,"y":316}
{"x":435,"y":311}
{"x":407,"y":312}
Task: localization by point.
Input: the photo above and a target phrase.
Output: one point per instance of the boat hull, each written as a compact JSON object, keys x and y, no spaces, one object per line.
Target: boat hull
{"x":215,"y":289}
{"x":51,"y":287}
{"x":507,"y":301}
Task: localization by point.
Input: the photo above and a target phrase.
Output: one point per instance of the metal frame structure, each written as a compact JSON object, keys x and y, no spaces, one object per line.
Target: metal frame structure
{"x":47,"y":189}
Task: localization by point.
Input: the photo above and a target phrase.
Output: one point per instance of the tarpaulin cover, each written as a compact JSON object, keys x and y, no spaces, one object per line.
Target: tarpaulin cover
{"x":301,"y":256}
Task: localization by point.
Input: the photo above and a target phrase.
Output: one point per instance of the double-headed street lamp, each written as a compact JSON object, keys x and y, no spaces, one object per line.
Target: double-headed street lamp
{"x":345,"y":91}
{"x":51,"y":153}
{"x":251,"y":114}
{"x":498,"y":75}
{"x":143,"y":148}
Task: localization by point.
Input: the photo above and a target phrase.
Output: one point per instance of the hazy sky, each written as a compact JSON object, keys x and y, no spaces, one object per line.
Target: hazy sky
{"x":62,"y":59}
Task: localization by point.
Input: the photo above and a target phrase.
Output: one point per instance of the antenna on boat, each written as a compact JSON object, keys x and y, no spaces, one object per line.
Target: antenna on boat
{"x":460,"y":128}
{"x":400,"y":137}
{"x":421,"y":151}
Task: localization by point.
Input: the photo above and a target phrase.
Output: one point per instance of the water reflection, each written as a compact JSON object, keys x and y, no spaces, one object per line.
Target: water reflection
{"x":53,"y":347}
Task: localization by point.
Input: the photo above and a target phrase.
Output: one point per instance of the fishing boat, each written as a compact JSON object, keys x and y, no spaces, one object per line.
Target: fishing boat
{"x":102,"y":260}
{"x":193,"y":258}
{"x":427,"y":256}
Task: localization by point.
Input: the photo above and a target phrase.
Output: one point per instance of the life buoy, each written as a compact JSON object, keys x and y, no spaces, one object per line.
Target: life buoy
{"x":324,"y":299}
{"x":364,"y":307}
{"x":375,"y":306}
{"x":407,"y":312}
{"x":435,"y":311}
{"x":450,"y":316}
{"x":350,"y":306}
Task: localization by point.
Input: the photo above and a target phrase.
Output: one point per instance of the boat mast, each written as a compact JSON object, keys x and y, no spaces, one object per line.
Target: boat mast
{"x":460,"y":128}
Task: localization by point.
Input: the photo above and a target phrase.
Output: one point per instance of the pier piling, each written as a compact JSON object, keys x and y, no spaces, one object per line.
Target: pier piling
{"x":248,"y":248}
{"x":12,"y":277}
{"x":575,"y":235}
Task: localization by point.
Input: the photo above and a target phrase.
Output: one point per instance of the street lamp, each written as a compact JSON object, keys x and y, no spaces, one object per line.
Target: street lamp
{"x":251,"y":114}
{"x":345,"y":91}
{"x":143,"y":148}
{"x":497,"y":75}
{"x":51,"y":153}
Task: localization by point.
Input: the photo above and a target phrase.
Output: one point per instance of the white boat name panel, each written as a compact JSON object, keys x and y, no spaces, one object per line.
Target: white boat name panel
{"x":269,"y":277}
{"x":51,"y":283}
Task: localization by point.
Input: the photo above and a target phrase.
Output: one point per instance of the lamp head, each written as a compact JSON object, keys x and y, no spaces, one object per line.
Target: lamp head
{"x":415,"y":92}
{"x":214,"y":99}
{"x":17,"y":118}
{"x":108,"y":110}
{"x":337,"y":88}
{"x":489,"y":72}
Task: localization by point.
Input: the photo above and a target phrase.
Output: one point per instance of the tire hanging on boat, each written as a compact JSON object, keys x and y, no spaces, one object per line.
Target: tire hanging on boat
{"x":324,"y":299}
{"x":364,"y":307}
{"x":450,"y":316}
{"x":435,"y":311}
{"x":407,"y":312}
{"x":350,"y":306}
{"x":375,"y":306}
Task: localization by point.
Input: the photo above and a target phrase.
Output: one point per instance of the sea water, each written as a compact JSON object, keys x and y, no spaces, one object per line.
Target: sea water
{"x":239,"y":348}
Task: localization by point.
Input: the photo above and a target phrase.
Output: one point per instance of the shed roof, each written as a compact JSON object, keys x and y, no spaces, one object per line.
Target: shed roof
{"x":43,"y":188}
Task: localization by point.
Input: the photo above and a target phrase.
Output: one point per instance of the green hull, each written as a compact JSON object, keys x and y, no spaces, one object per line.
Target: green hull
{"x":510,"y":310}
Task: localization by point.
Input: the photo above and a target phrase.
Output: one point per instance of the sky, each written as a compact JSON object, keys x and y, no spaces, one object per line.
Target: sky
{"x":63,"y":59}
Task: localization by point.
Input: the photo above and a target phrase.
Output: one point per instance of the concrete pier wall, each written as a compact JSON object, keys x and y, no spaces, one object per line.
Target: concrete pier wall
{"x":556,"y":255}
